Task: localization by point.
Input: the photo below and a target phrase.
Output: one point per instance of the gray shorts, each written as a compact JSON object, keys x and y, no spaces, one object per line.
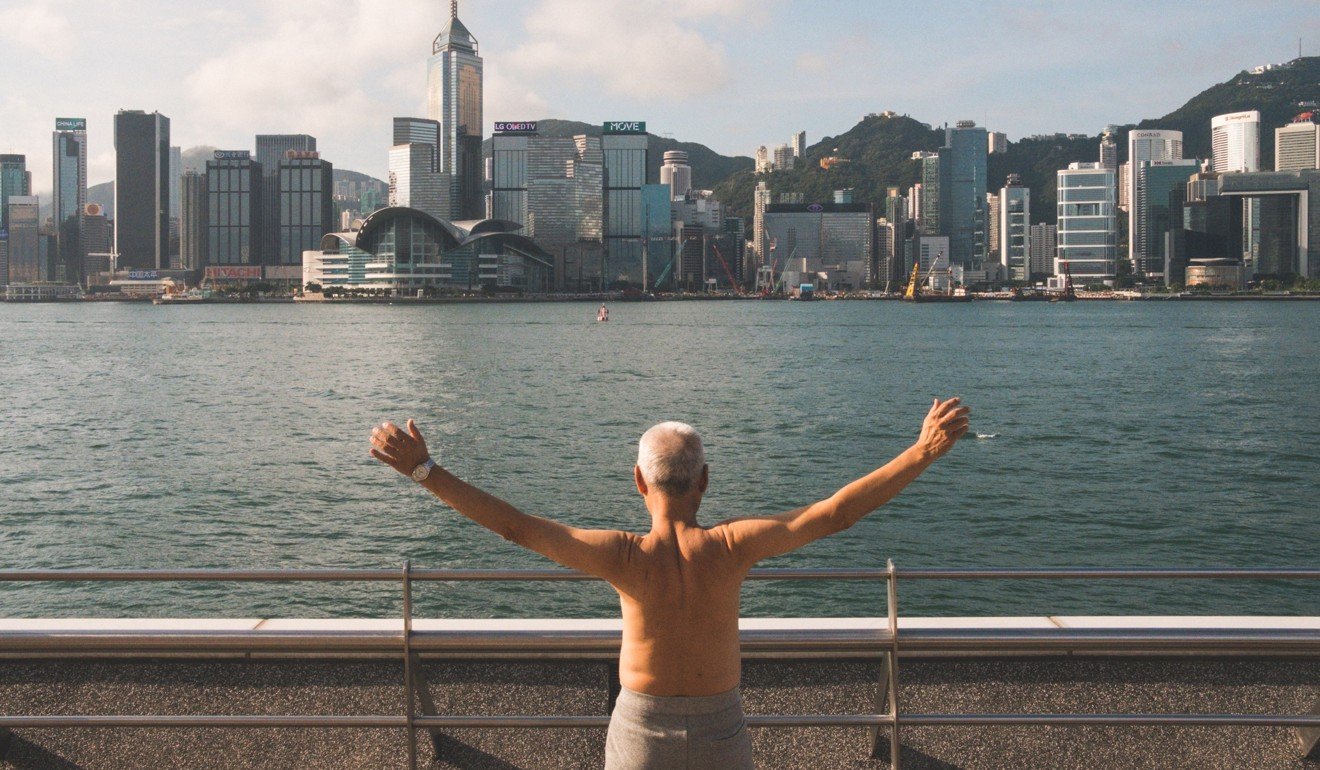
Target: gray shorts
{"x":650,"y":731}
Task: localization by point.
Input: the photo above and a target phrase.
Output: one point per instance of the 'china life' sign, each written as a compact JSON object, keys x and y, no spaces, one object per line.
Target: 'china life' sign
{"x":626,"y":127}
{"x":70,"y":124}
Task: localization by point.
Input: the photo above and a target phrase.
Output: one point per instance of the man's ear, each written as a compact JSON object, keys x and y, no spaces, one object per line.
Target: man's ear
{"x":641,"y":482}
{"x":705,"y":478}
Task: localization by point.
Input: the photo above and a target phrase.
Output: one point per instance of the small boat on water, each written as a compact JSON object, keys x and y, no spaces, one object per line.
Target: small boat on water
{"x":603,"y":314}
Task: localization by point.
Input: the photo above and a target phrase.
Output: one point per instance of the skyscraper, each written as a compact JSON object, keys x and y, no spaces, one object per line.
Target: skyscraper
{"x":1109,"y":148}
{"x":962,"y":192}
{"x":414,"y":183}
{"x":454,"y":98}
{"x":193,"y":221}
{"x":25,"y":263}
{"x":234,"y":198}
{"x":1297,"y":145}
{"x":799,"y":143}
{"x":419,"y":131}
{"x":1043,"y":245}
{"x":15,"y":179}
{"x":627,"y":162}
{"x":1144,"y":146}
{"x":142,"y":189}
{"x":307,"y":206}
{"x":69,"y":197}
{"x":1088,"y":223}
{"x":271,"y":149}
{"x":1014,"y":225}
{"x":928,"y":212}
{"x":1157,"y":209}
{"x":1235,"y":142}
{"x":676,"y":173}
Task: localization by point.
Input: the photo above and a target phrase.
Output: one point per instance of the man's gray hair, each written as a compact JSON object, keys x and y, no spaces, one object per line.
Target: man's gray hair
{"x":671,"y":457}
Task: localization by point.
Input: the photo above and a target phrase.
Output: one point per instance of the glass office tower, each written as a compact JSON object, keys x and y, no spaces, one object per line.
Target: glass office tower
{"x":1087,"y":234}
{"x":69,"y":197}
{"x":627,"y":160}
{"x":454,"y":98}
{"x":233,"y":191}
{"x":962,"y":192}
{"x":142,"y":190}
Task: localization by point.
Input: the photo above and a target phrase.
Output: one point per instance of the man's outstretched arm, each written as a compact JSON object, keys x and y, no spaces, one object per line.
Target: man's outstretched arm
{"x":760,"y":537}
{"x":602,"y":553}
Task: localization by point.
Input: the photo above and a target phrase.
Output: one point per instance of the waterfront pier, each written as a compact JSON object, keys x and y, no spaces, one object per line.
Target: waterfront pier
{"x":971,"y":692}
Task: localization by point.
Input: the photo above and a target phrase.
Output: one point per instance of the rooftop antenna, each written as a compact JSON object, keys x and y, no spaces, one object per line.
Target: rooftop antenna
{"x":453,"y":9}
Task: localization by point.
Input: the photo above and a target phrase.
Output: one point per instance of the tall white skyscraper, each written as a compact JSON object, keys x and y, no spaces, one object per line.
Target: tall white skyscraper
{"x":1235,"y":144}
{"x":1235,"y":141}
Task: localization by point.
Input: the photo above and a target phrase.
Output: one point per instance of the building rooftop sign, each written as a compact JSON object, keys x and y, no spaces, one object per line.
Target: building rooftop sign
{"x":523,"y":127}
{"x":70,"y":124}
{"x":233,"y":154}
{"x":625,"y":127}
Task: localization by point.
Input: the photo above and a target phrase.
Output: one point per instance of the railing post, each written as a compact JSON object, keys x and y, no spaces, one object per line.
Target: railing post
{"x":1308,"y":738}
{"x":892,"y":584}
{"x":407,"y":664}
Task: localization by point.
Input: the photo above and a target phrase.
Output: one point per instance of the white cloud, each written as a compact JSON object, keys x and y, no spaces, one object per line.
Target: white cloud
{"x":645,"y":49}
{"x":36,"y":27}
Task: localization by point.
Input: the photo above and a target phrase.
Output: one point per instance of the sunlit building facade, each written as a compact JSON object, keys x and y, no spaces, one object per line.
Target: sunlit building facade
{"x":405,"y":252}
{"x":454,"y":99}
{"x":1087,"y":230}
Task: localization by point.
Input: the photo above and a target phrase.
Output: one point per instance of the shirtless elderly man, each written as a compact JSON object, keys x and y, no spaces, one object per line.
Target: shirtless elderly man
{"x":679,"y":584}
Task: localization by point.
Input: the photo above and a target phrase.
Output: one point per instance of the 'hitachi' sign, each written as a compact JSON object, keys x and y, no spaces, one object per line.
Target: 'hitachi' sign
{"x":625,"y":127}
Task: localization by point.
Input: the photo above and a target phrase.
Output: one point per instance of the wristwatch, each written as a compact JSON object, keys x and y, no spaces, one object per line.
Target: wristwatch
{"x":422,"y":471}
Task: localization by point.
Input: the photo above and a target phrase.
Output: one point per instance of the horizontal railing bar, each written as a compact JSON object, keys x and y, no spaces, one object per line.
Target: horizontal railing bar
{"x":607,"y":642}
{"x":499,"y":575}
{"x":1105,"y":573}
{"x":585,"y":721}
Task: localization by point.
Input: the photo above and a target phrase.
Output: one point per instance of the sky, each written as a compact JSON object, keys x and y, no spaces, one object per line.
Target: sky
{"x":731,"y":74}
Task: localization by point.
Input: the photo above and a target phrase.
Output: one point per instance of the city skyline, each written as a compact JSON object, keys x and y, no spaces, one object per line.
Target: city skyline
{"x":702,"y":72}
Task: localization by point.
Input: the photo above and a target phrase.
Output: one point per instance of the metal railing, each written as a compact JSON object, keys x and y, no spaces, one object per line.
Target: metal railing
{"x":888,"y":645}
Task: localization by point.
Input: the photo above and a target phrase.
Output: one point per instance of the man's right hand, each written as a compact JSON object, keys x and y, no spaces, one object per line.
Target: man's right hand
{"x":945,"y":423}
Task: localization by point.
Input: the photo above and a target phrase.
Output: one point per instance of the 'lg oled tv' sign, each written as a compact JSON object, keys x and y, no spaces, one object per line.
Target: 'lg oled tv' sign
{"x":526,"y":127}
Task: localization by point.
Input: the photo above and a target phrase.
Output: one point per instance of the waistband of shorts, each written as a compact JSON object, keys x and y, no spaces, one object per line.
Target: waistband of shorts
{"x":685,"y":705}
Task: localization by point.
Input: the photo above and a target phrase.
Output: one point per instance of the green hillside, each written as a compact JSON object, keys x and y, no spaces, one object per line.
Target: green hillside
{"x":880,"y":148}
{"x":708,"y":166}
{"x":1279,"y":94}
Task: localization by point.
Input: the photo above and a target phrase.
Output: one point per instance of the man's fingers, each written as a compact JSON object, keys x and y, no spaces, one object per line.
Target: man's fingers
{"x":383,"y":457}
{"x":947,"y":406}
{"x":412,"y":430}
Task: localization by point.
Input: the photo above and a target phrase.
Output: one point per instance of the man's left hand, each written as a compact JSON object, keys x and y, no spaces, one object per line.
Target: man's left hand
{"x":402,"y":450}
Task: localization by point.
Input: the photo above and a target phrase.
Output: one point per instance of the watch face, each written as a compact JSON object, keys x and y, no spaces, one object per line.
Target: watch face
{"x":421,"y":472}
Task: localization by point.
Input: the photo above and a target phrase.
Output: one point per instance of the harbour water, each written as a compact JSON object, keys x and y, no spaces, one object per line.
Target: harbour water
{"x":1114,"y":434}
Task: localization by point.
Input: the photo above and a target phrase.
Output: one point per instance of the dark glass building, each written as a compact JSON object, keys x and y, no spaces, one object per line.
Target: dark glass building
{"x":233,"y":192}
{"x":626,"y":147}
{"x":962,"y":170}
{"x":306,"y":205}
{"x":142,"y":190}
{"x":70,"y":197}
{"x":15,"y":179}
{"x":193,"y":220}
{"x":271,"y":150}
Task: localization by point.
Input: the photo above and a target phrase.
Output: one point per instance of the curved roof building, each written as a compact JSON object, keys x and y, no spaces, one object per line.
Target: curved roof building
{"x":405,"y":250}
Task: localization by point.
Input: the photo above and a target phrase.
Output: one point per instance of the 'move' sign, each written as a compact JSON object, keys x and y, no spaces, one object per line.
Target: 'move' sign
{"x":625,"y":127}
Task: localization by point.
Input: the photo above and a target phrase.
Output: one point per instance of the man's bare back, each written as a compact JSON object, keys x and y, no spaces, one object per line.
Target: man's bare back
{"x":678,"y":585}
